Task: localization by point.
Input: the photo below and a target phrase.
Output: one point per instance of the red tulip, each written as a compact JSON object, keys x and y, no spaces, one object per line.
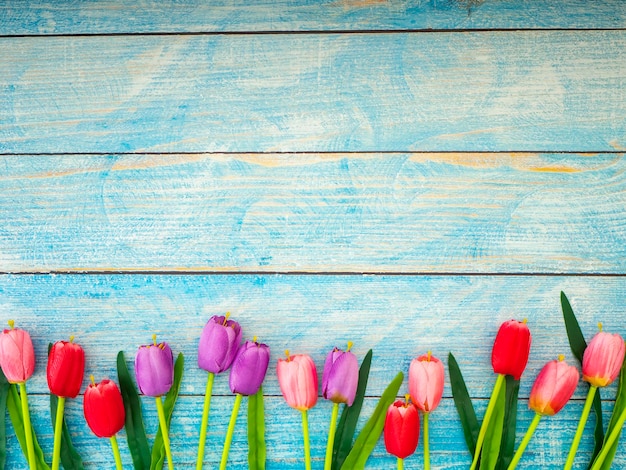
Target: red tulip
{"x":17,"y":356}
{"x":511,"y":348}
{"x":104,"y":408}
{"x":297,"y":377}
{"x":553,"y":387}
{"x":426,"y":377}
{"x":603,"y":359}
{"x":402,"y":428}
{"x":66,"y":367}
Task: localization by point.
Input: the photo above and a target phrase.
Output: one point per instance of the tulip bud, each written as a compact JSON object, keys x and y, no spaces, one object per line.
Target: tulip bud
{"x":154,"y":368}
{"x":297,"y":377}
{"x":218,"y":344}
{"x":66,"y":367}
{"x":426,"y":378}
{"x":553,"y":387}
{"x":17,"y":356}
{"x":341,"y":376}
{"x":511,"y":348}
{"x":603,"y":358}
{"x":104,"y":408}
{"x":402,"y":428}
{"x":249,"y":368}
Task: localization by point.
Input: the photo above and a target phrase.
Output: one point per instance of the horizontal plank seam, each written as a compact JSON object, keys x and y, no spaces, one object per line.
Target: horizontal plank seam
{"x":306,"y":31}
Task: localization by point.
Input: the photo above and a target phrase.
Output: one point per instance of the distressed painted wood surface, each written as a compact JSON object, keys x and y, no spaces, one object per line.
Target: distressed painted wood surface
{"x":472,"y":162}
{"x":480,"y":91}
{"x":415,"y":213}
{"x":106,"y":17}
{"x":399,"y":317}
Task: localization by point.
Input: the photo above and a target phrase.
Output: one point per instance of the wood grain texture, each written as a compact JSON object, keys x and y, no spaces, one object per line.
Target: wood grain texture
{"x":399,"y":317}
{"x":482,"y":91}
{"x":106,"y":17}
{"x":416,"y":213}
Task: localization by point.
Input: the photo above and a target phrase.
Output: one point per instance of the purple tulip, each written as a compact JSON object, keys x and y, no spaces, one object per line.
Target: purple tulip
{"x":154,"y":368}
{"x":341,"y":376}
{"x":218,"y":344}
{"x":249,"y":368}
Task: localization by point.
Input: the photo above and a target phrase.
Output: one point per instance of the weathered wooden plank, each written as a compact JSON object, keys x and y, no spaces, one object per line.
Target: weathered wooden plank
{"x":398,"y":316}
{"x":547,"y":450}
{"x":107,"y":16}
{"x":443,"y":212}
{"x":482,"y":91}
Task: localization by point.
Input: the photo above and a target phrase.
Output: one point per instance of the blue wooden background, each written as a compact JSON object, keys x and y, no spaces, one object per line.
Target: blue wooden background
{"x":405,"y":175}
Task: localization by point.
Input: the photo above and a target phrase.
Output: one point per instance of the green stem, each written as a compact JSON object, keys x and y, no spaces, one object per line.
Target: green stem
{"x":229,"y":433}
{"x":331,"y":437}
{"x":164,"y":432}
{"x":205,"y":420}
{"x":28,"y":430}
{"x":426,"y":446}
{"x":400,"y":463}
{"x":525,"y":441}
{"x":305,"y":434}
{"x":58,"y":428}
{"x":581,"y":427}
{"x":610,"y":440}
{"x":487,"y":418}
{"x":116,"y":453}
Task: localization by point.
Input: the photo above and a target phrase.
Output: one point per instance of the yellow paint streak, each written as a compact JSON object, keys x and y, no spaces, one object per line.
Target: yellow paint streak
{"x":616,"y":145}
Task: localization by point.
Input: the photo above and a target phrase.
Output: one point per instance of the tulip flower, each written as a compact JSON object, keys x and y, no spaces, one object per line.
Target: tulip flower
{"x":17,"y":360}
{"x":402,"y":428}
{"x":218,"y":345}
{"x":246,"y":376}
{"x":339,"y":383}
{"x":426,"y":377}
{"x":66,"y":367}
{"x":104,"y":412}
{"x":154,"y":371}
{"x":297,"y":378}
{"x":509,"y":356}
{"x":602,"y":361}
{"x":553,"y":388}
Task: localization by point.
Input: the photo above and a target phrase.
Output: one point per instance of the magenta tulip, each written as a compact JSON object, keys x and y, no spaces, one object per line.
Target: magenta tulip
{"x":17,"y":356}
{"x":426,"y":378}
{"x":249,"y":368}
{"x":341,"y":376}
{"x":219,"y":342}
{"x":553,"y":387}
{"x":603,"y":359}
{"x":511,"y":348}
{"x":297,"y":378}
{"x":154,"y":368}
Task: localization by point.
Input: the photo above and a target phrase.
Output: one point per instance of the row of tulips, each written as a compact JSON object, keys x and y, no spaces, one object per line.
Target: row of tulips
{"x":106,"y":409}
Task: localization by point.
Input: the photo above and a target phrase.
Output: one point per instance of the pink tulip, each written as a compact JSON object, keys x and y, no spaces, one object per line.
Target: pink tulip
{"x":297,"y":377}
{"x":426,"y":377}
{"x":17,"y":356}
{"x":603,"y":359}
{"x":553,"y":387}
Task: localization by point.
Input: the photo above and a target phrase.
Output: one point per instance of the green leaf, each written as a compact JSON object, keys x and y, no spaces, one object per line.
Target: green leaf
{"x":507,"y":447}
{"x":135,"y":431}
{"x":158,"y":448}
{"x":369,"y":435}
{"x":14,"y":406}
{"x":493,"y":437}
{"x":578,"y":345}
{"x":463,"y":404}
{"x":69,"y":456}
{"x":4,"y":393}
{"x":256,"y":431}
{"x":350,"y":417}
{"x":620,"y":405}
